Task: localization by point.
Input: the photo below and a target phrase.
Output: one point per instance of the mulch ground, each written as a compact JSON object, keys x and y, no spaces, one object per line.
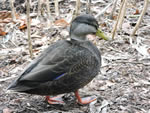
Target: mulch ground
{"x":123,"y":86}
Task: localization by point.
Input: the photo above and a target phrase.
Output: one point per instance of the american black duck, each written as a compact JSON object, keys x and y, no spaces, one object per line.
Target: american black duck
{"x":65,"y":66}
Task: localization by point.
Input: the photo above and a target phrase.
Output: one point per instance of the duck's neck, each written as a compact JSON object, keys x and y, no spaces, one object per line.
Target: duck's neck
{"x":78,"y":38}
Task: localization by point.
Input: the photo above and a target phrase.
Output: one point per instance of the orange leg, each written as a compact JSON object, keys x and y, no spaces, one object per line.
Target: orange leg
{"x":54,"y":100}
{"x":85,"y":100}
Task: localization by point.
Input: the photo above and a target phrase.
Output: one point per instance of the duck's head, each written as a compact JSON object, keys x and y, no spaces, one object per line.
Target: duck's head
{"x":82,"y":26}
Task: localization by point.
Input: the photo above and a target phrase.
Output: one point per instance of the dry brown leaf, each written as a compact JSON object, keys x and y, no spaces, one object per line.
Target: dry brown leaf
{"x":8,"y":20}
{"x":5,"y":14}
{"x":22,"y":27}
{"x":35,"y":50}
{"x":23,"y":24}
{"x":2,"y":33}
{"x":137,"y":12}
{"x":114,"y":17}
{"x":17,"y":16}
{"x":61,"y":22}
{"x":103,"y":24}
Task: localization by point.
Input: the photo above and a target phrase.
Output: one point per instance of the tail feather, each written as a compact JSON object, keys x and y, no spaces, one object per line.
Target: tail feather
{"x":19,"y":87}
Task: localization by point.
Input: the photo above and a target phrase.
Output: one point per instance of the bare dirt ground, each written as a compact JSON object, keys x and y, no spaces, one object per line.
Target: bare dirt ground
{"x":123,"y":86}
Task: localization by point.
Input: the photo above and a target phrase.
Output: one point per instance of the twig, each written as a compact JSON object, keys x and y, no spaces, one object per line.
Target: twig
{"x":113,"y":9}
{"x":39,"y":8}
{"x":48,"y":8}
{"x":140,"y":18}
{"x":103,"y":11}
{"x":115,"y":27}
{"x":122,"y":14}
{"x":88,"y":7}
{"x":56,"y":8}
{"x":48,"y":13}
{"x":77,"y":10}
{"x":29,"y":29}
{"x":12,"y":10}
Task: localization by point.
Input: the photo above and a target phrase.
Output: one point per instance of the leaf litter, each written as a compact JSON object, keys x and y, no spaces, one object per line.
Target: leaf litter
{"x":123,"y":86}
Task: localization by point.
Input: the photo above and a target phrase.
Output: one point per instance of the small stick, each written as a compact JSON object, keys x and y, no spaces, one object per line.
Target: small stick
{"x":113,"y":9}
{"x":140,"y":18}
{"x":56,"y":8}
{"x":48,"y":8}
{"x":122,"y":14}
{"x":29,"y":29}
{"x":12,"y":10}
{"x":39,"y":8}
{"x":115,"y":27}
{"x":77,"y":7}
{"x":88,"y":7}
{"x":48,"y":12}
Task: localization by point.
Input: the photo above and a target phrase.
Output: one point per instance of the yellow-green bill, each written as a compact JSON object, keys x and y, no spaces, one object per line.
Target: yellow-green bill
{"x":99,"y":33}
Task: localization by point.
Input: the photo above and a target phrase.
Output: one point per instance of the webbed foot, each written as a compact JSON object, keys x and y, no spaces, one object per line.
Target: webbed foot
{"x":54,"y":100}
{"x":85,"y":100}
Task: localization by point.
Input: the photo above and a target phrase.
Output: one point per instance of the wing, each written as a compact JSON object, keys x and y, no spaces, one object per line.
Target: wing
{"x":43,"y":67}
{"x":62,"y":61}
{"x":46,"y":56}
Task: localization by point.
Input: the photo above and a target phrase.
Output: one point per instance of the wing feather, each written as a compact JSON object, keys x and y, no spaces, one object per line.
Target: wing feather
{"x":63,"y":60}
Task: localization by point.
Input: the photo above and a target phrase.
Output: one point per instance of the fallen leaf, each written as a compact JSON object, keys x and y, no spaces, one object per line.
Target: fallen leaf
{"x":2,"y":33}
{"x":114,"y":17}
{"x":24,"y":26}
{"x":5,"y":14}
{"x":61,"y":22}
{"x":103,"y":24}
{"x":35,"y":50}
{"x":8,"y":20}
{"x":17,"y":16}
{"x":137,"y":12}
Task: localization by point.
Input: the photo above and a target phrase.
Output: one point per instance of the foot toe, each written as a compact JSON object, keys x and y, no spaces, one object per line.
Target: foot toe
{"x":87,"y":100}
{"x":55,"y":100}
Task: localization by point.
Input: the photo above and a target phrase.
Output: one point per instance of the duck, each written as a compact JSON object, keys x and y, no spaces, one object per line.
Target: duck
{"x":65,"y":66}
